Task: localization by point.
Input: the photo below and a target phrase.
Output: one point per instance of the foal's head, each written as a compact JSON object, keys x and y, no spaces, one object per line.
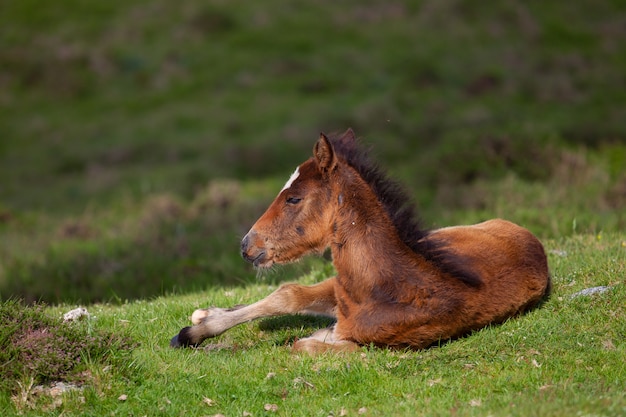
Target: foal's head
{"x":299,"y":220}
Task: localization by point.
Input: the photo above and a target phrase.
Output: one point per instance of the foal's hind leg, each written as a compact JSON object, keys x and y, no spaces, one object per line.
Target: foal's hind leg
{"x":288,"y":299}
{"x":324,"y":341}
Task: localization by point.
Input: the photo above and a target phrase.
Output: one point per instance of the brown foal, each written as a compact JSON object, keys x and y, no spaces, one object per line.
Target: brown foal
{"x":397,"y":285}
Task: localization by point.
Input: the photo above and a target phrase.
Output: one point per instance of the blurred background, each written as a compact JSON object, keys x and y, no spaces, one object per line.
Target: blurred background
{"x":139,"y":140}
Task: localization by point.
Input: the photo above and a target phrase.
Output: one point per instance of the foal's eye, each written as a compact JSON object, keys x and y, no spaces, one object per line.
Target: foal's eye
{"x":293,"y":200}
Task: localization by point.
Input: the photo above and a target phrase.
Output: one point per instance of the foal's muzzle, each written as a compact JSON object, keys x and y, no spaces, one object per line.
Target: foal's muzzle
{"x":252,"y":252}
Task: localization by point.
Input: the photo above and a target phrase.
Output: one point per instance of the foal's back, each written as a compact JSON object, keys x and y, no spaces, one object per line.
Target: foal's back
{"x":510,"y":261}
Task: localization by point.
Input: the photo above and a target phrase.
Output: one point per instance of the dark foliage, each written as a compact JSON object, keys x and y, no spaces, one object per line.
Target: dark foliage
{"x":33,"y":344}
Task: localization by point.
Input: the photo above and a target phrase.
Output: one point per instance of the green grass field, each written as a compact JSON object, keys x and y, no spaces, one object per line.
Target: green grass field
{"x":564,"y":359}
{"x":140,"y":140}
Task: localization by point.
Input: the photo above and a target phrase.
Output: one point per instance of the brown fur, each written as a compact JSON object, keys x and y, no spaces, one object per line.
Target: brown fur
{"x":397,"y":285}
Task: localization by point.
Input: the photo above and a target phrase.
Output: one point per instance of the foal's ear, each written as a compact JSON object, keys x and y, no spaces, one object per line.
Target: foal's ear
{"x":324,"y":154}
{"x":349,"y":135}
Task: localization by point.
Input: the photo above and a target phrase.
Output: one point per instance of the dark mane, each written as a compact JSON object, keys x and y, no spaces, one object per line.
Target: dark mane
{"x":401,"y":209}
{"x":390,"y":193}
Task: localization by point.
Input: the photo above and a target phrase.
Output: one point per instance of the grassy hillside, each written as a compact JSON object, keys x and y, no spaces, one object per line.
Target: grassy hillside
{"x":139,"y":140}
{"x":563,"y":359}
{"x":136,"y":97}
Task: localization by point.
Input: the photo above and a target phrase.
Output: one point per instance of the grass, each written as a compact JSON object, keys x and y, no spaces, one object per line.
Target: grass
{"x":168,"y":244}
{"x":135,"y":98}
{"x":140,"y":140}
{"x":563,"y":359}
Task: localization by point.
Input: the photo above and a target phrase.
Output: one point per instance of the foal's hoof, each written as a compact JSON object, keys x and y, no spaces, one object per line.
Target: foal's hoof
{"x":175,"y":343}
{"x":182,"y":339}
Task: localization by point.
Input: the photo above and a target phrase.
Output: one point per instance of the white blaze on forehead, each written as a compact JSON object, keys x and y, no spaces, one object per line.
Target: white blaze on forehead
{"x":291,"y":179}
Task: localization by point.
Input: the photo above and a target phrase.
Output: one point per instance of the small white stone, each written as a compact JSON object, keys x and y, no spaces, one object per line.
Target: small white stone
{"x":75,"y":314}
{"x":591,"y":291}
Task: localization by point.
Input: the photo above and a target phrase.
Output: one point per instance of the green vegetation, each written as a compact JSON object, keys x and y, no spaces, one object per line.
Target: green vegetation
{"x":141,"y":97}
{"x":563,"y":359}
{"x":140,"y":140}
{"x":36,"y":348}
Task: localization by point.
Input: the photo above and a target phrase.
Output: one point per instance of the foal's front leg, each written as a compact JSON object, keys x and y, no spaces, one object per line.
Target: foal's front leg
{"x":288,"y":299}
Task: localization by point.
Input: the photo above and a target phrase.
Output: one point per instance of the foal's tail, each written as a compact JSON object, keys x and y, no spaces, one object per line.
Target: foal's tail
{"x":547,"y":292}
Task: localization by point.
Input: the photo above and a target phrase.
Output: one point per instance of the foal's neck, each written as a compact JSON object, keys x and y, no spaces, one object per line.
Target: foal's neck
{"x":367,"y":249}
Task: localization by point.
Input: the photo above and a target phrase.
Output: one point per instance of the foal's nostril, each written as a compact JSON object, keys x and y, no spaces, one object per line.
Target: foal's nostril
{"x":244,"y":247}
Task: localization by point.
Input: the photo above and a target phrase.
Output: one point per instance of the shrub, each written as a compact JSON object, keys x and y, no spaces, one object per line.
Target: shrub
{"x":35,"y":345}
